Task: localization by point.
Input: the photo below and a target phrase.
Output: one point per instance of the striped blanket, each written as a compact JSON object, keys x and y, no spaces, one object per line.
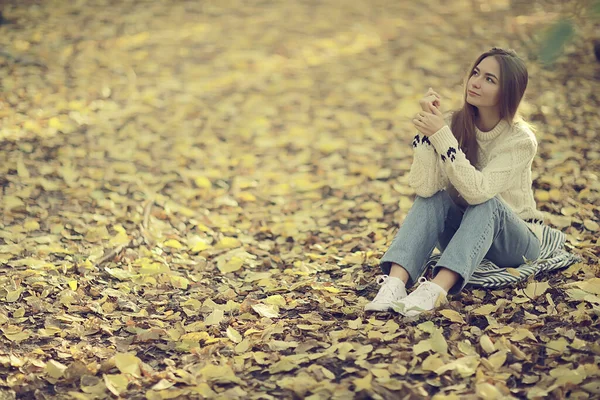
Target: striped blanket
{"x":553,"y":256}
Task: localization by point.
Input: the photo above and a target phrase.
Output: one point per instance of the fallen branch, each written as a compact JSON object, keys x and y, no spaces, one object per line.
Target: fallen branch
{"x":112,"y":253}
{"x":143,"y":228}
{"x":22,"y":60}
{"x":146,"y":222}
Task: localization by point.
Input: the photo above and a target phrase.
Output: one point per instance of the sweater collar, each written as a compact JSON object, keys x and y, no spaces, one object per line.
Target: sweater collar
{"x":494,"y":133}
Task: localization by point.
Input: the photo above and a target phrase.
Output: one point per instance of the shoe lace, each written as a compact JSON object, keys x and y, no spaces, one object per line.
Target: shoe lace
{"x":381,"y":279}
{"x":386,"y":290}
{"x":425,"y":288}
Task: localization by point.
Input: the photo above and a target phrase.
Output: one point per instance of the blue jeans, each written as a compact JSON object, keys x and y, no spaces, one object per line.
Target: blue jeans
{"x":488,"y":230}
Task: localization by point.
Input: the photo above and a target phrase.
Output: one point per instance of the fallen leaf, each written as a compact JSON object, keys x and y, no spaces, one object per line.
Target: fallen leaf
{"x":128,"y":363}
{"x":452,"y":316}
{"x":536,"y":289}
{"x":266,"y":310}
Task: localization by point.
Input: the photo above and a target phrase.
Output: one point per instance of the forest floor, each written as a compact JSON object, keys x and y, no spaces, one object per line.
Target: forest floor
{"x":196,"y":195}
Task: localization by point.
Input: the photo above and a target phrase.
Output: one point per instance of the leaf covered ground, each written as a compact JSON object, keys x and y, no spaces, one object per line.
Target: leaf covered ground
{"x":196,"y":195}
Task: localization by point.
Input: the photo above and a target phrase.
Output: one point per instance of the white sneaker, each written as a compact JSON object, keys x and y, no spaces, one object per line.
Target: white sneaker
{"x":425,"y":297}
{"x":392,"y":289}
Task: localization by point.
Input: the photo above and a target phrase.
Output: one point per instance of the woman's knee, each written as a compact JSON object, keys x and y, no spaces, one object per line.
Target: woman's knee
{"x":490,"y":206}
{"x":439,"y":196}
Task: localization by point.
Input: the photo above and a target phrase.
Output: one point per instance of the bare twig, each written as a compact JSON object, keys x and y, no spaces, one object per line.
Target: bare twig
{"x":143,"y":228}
{"x":22,"y":60}
{"x":146,"y":221}
{"x":110,"y":255}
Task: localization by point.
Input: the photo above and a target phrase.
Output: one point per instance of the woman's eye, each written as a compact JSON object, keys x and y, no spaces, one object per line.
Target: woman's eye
{"x":490,"y":80}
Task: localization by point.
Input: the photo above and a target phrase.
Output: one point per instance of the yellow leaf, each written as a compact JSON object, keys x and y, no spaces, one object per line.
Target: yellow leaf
{"x":203,"y":182}
{"x":116,"y":383}
{"x":120,"y":238}
{"x":570,"y":376}
{"x":55,"y":123}
{"x":486,"y":309}
{"x":497,"y":359}
{"x":204,"y":390}
{"x":22,"y":170}
{"x":203,"y":228}
{"x":432,"y":363}
{"x":234,"y":335}
{"x":73,"y":284}
{"x":19,"y":312}
{"x":128,"y":363}
{"x":31,"y":225}
{"x":55,"y":369}
{"x":555,"y":194}
{"x":438,"y":342}
{"x":162,"y":385}
{"x":246,"y":196}
{"x":446,"y":396}
{"x":96,"y":234}
{"x":219,"y":374}
{"x":502,"y":330}
{"x":536,"y":289}
{"x":329,"y":289}
{"x":179,"y":282}
{"x":234,"y":264}
{"x":380,"y":373}
{"x":173,"y":243}
{"x":363,"y":383}
{"x":299,"y":384}
{"x":542,"y":195}
{"x":215,"y":317}
{"x":422,"y":346}
{"x":486,"y":344}
{"x":266,"y":310}
{"x":557,"y":346}
{"x":200,"y":246}
{"x":13,"y":296}
{"x":487,"y":391}
{"x":276,"y":300}
{"x":428,"y":326}
{"x":243,"y":346}
{"x":591,"y":285}
{"x":465,"y":366}
{"x":513,"y":271}
{"x":452,"y":315}
{"x":591,"y":225}
{"x":12,"y":202}
{"x":522,"y":333}
{"x":17,"y":337}
{"x":228,"y":243}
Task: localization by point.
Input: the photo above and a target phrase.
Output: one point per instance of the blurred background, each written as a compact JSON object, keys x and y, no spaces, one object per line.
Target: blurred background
{"x":249,"y":106}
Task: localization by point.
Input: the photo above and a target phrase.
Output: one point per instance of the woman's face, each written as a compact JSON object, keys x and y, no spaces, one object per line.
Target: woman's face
{"x":483,"y":86}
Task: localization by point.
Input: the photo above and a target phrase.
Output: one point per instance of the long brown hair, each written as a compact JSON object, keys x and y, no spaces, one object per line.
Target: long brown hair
{"x":513,"y":82}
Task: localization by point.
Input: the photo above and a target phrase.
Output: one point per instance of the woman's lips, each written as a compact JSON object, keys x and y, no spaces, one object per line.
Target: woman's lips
{"x":470,"y":92}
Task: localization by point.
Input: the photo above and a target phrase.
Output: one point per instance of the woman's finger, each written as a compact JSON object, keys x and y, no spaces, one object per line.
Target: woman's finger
{"x":433,"y":92}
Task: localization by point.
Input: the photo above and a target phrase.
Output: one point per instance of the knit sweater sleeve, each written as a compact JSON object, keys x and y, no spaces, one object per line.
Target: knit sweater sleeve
{"x":506,"y":164}
{"x":426,"y":176}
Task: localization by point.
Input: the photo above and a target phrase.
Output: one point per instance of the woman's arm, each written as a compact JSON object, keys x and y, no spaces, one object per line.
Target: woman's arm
{"x":426,"y":176}
{"x":498,"y":175}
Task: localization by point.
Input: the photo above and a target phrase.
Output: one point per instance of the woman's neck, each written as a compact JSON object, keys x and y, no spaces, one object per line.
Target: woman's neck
{"x":487,"y":119}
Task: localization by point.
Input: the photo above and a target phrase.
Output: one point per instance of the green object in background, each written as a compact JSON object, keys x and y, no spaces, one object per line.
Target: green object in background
{"x":596,"y":9}
{"x":560,"y":34}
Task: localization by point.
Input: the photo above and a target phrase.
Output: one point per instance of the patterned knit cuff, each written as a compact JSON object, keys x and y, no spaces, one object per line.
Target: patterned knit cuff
{"x":419,"y":140}
{"x":445,"y":143}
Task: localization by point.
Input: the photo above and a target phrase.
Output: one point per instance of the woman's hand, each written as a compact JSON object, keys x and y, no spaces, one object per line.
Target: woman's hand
{"x":430,"y":101}
{"x":429,"y":123}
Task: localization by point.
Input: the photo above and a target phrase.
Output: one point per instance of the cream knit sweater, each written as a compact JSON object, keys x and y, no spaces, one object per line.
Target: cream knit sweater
{"x":504,"y":163}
